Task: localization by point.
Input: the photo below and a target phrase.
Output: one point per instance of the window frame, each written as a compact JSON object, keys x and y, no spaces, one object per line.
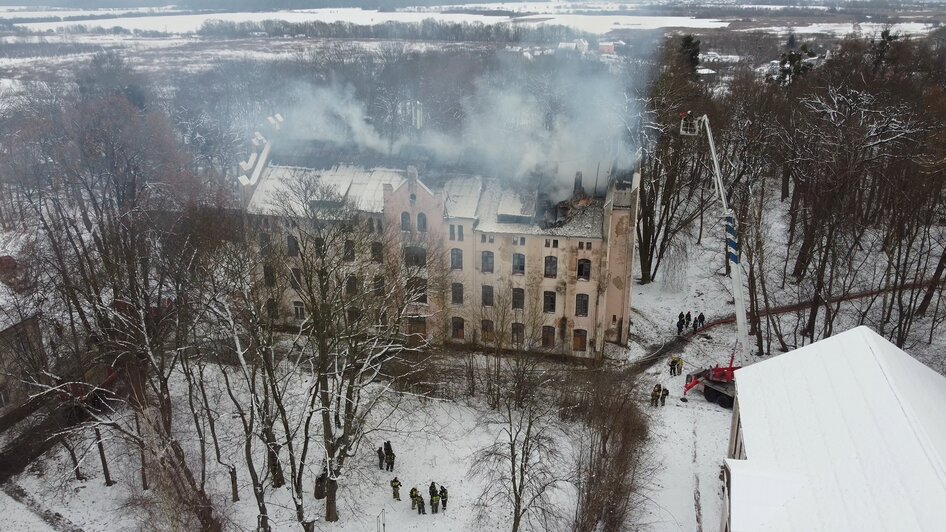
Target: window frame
{"x":545,"y":301}
{"x":554,"y":267}
{"x":454,"y":300}
{"x":484,"y":290}
{"x":406,"y":223}
{"x":456,"y":259}
{"x":580,"y":334}
{"x":483,"y":261}
{"x":518,"y":263}
{"x":578,"y":273}
{"x":587,"y":305}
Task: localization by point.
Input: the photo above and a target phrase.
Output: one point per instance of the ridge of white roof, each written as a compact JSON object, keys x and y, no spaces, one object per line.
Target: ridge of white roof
{"x":852,"y":416}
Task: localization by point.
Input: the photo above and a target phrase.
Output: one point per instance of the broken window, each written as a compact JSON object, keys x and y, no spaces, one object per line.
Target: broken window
{"x":415,"y":256}
{"x":457,"y":328}
{"x":584,"y":269}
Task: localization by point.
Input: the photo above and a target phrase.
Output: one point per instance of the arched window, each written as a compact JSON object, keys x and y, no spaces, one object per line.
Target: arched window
{"x":421,"y":222}
{"x":551,"y":267}
{"x":581,"y":304}
{"x":405,"y":221}
{"x":457,"y":328}
{"x":584,"y":269}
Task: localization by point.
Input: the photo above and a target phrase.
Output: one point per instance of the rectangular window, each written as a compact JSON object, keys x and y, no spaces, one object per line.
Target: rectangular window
{"x":548,"y":302}
{"x":581,"y":245}
{"x":551,"y":267}
{"x":522,"y":241}
{"x":415,"y":256}
{"x":490,"y":238}
{"x":487,"y":295}
{"x":588,"y":246}
{"x":298,"y":310}
{"x":518,"y":264}
{"x":453,"y":234}
{"x":581,"y":304}
{"x":268,"y":276}
{"x":456,"y":259}
{"x":515,"y":240}
{"x":457,"y":328}
{"x":264,"y":242}
{"x":460,"y":233}
{"x":378,"y":285}
{"x":555,"y":243}
{"x":489,"y":334}
{"x":456,"y":293}
{"x":272,"y":309}
{"x":417,"y":290}
{"x":580,"y":340}
{"x":483,"y":238}
{"x":292,"y":246}
{"x":548,"y":336}
{"x":486,"y":264}
{"x":518,"y":333}
{"x":548,"y":243}
{"x":349,"y":250}
{"x":376,"y":252}
{"x":296,"y":280}
{"x":518,"y":299}
{"x":584,"y":270}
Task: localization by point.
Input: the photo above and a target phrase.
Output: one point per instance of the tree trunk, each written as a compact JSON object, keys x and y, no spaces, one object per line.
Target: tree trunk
{"x":73,"y":457}
{"x":98,"y":443}
{"x":141,"y":454}
{"x":934,"y":283}
{"x":331,"y":504}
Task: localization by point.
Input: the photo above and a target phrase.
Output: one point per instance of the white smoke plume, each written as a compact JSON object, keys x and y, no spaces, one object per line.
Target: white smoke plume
{"x":554,"y":122}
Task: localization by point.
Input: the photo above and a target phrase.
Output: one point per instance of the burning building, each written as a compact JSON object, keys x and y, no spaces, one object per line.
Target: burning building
{"x":522,"y":270}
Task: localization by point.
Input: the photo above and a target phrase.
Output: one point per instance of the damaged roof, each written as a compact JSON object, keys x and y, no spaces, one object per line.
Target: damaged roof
{"x":364,"y":187}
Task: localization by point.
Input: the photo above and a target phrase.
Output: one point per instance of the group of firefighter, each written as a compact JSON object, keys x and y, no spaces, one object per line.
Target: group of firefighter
{"x":684,"y":321}
{"x":438,"y":497}
{"x":658,"y":396}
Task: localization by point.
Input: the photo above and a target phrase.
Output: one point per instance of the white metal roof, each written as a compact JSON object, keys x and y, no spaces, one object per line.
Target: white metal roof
{"x":364,"y":187}
{"x":856,"y":425}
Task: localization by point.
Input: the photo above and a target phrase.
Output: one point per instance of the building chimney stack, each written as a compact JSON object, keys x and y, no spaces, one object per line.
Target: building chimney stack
{"x":579,"y":190}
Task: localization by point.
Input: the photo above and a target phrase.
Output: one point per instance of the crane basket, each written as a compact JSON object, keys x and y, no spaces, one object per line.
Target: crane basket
{"x":689,"y":124}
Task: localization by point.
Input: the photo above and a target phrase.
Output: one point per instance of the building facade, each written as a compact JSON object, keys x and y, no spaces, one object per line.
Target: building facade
{"x":520,"y":272}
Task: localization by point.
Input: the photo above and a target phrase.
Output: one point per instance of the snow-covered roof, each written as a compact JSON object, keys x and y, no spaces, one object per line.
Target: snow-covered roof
{"x":843,"y":434}
{"x":364,"y":187}
{"x":462,"y":196}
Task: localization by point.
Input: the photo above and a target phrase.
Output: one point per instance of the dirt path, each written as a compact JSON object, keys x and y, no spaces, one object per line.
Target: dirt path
{"x":54,"y":519}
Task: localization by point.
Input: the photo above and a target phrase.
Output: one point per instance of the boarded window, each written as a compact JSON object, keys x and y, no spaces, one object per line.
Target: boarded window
{"x":548,"y":336}
{"x":580,"y":340}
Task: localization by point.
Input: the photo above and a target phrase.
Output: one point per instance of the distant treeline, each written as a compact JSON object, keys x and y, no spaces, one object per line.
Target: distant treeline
{"x":427,"y":30}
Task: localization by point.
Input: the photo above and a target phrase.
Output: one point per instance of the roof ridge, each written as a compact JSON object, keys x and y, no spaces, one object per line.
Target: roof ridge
{"x":932,"y":454}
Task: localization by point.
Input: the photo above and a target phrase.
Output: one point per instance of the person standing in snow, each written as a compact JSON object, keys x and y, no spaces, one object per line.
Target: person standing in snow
{"x":688,"y":318}
{"x":663,"y":396}
{"x":679,"y":366}
{"x":695,"y":324}
{"x":434,"y":503}
{"x":380,"y":458}
{"x":420,"y":505}
{"x":396,"y":488}
{"x":443,"y":496}
{"x":680,"y":317}
{"x":389,"y":460}
{"x":673,"y":366}
{"x":680,"y":326}
{"x":433,"y":489}
{"x":413,"y":495}
{"x":702,"y":319}
{"x":655,"y":395}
